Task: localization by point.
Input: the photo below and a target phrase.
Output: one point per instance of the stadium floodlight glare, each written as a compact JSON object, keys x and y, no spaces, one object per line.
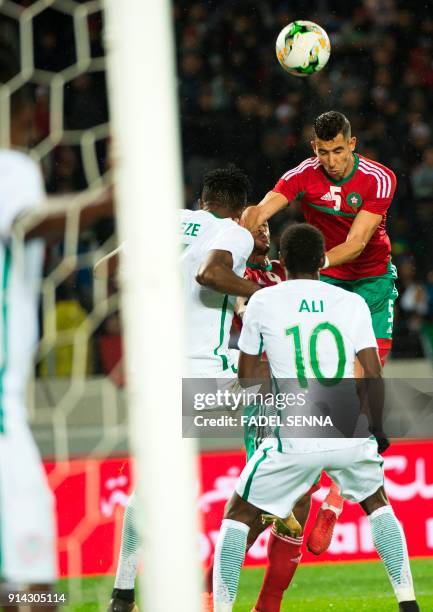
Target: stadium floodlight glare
{"x":147,"y":162}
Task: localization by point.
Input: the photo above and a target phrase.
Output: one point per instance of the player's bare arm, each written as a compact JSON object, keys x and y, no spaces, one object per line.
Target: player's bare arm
{"x":254,"y":216}
{"x":216,"y":272}
{"x":371,"y":387}
{"x":248,"y":364}
{"x":363,"y":228}
{"x":50,"y":224}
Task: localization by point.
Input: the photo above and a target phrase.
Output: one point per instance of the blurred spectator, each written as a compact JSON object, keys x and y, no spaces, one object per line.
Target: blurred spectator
{"x":413,"y":300}
{"x":411,"y":311}
{"x":72,"y":347}
{"x":238,"y":105}
{"x":429,"y":291}
{"x":110,"y":349}
{"x":427,"y":328}
{"x":66,"y":174}
{"x":422,"y":176}
{"x":85,"y":102}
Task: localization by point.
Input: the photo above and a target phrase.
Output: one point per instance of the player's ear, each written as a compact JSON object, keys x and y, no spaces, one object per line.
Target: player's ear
{"x":200,"y":203}
{"x":313,"y":146}
{"x":352,"y":143}
{"x":322,"y":261}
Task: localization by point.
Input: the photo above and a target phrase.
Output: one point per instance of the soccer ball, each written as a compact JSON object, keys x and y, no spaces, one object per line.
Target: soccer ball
{"x":303,"y":48}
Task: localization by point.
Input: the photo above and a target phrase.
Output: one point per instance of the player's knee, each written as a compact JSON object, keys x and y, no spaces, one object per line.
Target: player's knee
{"x":302,"y":503}
{"x":239,"y":510}
{"x":375,"y":501}
{"x":301,"y":509}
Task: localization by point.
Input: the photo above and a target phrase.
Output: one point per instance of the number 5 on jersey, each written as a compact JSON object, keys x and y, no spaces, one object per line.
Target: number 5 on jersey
{"x":335,"y":193}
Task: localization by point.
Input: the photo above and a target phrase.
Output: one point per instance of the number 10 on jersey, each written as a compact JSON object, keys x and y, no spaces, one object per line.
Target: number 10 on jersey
{"x":295,"y":333}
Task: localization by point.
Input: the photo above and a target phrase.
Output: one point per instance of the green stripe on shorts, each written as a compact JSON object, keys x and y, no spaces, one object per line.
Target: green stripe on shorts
{"x":4,"y":328}
{"x":253,"y":471}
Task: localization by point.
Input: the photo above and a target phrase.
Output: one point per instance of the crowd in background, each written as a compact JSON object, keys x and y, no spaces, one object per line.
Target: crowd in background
{"x":238,"y":105}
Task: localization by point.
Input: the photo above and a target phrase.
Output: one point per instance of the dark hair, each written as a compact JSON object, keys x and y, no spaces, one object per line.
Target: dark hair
{"x":226,"y":186}
{"x":302,"y":247}
{"x":328,"y":125}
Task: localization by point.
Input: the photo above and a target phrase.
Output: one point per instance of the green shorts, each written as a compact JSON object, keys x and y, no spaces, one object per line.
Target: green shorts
{"x":380,"y":294}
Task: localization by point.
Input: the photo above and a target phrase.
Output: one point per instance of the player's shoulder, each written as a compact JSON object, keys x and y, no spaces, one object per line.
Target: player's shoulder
{"x":309,"y":165}
{"x":376,"y":171}
{"x":17,"y":161}
{"x":349,"y":297}
{"x":187,"y":214}
{"x":235,"y":229}
{"x":268,"y":294}
{"x":205,"y":216}
{"x":206,"y":219}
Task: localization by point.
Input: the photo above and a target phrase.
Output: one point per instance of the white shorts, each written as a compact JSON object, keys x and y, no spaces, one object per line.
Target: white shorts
{"x":27,"y":534}
{"x":274,"y":481}
{"x":212,"y":367}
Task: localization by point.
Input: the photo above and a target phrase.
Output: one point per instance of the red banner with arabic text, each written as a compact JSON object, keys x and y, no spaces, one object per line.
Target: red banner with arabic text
{"x":91,"y":495}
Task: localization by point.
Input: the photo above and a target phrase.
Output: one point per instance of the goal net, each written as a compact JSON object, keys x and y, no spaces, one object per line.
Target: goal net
{"x":77,"y":400}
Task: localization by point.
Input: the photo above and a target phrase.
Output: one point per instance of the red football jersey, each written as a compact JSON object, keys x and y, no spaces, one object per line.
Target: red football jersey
{"x":267,"y":277}
{"x":273,"y":274}
{"x":332,"y":205}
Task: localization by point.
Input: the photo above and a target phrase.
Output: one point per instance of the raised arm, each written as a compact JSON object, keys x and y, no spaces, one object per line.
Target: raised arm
{"x":216,"y":272}
{"x":363,"y":228}
{"x":368,"y":219}
{"x":254,"y":216}
{"x":50,"y":224}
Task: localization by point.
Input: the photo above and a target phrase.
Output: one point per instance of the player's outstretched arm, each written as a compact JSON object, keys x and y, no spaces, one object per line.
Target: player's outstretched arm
{"x":216,"y":272}
{"x":50,"y":224}
{"x":363,"y":228}
{"x":254,"y":216}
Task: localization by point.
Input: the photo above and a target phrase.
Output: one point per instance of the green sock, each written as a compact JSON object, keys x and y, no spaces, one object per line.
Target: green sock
{"x":390,"y":543}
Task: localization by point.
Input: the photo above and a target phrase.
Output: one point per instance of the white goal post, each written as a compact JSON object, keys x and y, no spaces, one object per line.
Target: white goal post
{"x":147,"y":162}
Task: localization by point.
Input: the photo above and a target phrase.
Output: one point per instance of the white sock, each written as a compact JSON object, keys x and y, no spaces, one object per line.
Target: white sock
{"x":390,"y":543}
{"x":129,"y":549}
{"x":229,"y":557}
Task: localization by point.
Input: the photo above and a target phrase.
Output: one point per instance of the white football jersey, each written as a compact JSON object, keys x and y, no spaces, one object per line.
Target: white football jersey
{"x":21,"y":188}
{"x":309,"y":330}
{"x":209,"y":314}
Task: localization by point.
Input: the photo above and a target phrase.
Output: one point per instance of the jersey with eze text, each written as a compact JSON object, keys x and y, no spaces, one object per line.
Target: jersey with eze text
{"x":332,"y":206}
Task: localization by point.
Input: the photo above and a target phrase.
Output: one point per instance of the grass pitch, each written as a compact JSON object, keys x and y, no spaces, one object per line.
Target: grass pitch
{"x":332,"y":587}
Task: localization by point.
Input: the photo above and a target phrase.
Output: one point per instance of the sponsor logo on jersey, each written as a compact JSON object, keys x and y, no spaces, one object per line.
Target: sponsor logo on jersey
{"x":328,"y":197}
{"x":354,"y":200}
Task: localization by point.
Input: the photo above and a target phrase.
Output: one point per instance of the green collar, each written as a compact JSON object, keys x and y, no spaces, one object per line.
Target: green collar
{"x":347,"y":178}
{"x":259,"y":267}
